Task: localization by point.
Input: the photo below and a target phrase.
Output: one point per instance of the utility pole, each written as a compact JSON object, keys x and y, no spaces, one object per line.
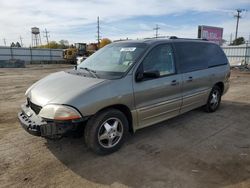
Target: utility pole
{"x":238,"y":16}
{"x":156,"y":30}
{"x":47,"y":39}
{"x":46,"y":36}
{"x":4,"y":41}
{"x":98,"y":31}
{"x":21,"y":40}
{"x":231,"y":36}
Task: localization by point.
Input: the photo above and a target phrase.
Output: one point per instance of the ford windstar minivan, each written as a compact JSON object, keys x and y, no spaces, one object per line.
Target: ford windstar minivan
{"x":126,"y":86}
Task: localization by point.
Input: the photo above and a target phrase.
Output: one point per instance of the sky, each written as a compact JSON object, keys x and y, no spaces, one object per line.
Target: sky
{"x":75,"y":20}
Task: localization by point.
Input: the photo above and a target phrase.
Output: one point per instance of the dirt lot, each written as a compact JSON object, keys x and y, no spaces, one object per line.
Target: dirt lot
{"x":196,"y":149}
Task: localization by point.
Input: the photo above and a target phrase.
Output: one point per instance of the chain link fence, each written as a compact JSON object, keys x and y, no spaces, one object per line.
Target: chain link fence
{"x":238,"y":55}
{"x":31,"y":55}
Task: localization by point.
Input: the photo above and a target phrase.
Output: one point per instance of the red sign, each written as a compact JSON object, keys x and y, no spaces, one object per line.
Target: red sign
{"x":210,"y":33}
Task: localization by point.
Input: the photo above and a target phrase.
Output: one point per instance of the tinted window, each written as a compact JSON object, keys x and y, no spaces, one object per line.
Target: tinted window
{"x":199,"y":55}
{"x":191,"y":56}
{"x":160,"y":59}
{"x":216,"y":56}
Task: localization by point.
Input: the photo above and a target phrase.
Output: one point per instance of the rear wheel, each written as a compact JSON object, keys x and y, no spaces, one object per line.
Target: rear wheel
{"x":106,"y":131}
{"x":214,"y":99}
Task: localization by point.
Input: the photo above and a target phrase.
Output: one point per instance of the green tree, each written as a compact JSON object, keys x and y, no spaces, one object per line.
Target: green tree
{"x":18,"y":45}
{"x":12,"y":44}
{"x":239,"y":41}
{"x":64,"y":44}
{"x":53,"y":45}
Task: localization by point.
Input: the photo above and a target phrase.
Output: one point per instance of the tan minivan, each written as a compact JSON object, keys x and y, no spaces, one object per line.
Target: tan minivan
{"x":126,"y":86}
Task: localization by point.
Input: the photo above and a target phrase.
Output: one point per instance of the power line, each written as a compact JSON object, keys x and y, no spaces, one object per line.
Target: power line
{"x":4,"y":41}
{"x":98,"y":31}
{"x":46,"y":36}
{"x":21,"y":40}
{"x":238,"y":16}
{"x":156,"y":30}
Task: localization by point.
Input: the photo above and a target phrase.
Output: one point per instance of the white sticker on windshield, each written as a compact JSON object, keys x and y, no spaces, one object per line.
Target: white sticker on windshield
{"x":128,"y":49}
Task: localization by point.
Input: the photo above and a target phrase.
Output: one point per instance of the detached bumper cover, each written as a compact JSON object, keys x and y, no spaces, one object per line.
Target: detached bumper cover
{"x":35,"y":125}
{"x":29,"y":125}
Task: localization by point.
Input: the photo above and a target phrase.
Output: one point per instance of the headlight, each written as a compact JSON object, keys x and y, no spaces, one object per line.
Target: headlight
{"x":59,"y":112}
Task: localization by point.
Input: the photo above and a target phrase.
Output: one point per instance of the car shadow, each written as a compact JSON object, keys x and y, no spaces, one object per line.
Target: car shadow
{"x":171,"y":152}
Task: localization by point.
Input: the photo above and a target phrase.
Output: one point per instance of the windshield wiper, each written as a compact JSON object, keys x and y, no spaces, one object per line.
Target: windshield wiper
{"x":92,"y":72}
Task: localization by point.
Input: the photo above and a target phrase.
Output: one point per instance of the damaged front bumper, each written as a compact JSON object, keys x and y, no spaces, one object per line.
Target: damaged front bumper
{"x":38,"y":126}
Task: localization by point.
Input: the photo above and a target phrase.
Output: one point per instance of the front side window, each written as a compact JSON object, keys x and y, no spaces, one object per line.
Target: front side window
{"x":160,"y":59}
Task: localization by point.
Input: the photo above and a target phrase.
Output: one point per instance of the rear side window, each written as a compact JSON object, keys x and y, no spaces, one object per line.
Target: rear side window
{"x":216,"y":56}
{"x":194,"y":56}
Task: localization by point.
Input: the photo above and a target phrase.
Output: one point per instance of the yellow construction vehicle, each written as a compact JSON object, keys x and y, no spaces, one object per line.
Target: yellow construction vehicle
{"x":80,"y":51}
{"x":70,"y":54}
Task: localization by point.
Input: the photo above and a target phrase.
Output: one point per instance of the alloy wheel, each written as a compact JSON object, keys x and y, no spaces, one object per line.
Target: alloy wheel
{"x":110,"y":132}
{"x":215,"y":97}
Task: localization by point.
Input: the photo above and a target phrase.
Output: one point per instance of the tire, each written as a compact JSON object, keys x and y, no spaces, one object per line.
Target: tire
{"x":214,"y":99}
{"x":106,"y":131}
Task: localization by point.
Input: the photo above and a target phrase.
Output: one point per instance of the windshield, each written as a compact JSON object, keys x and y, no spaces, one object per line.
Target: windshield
{"x":114,"y":59}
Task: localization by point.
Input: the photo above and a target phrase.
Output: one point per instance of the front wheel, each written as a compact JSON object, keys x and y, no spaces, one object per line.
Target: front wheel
{"x":214,"y":99}
{"x":106,"y":131}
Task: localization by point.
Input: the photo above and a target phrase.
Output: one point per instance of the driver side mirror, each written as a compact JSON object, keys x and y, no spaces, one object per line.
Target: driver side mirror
{"x":140,"y":75}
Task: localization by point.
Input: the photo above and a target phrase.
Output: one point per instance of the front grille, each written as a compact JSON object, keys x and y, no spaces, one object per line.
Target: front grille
{"x":33,"y":106}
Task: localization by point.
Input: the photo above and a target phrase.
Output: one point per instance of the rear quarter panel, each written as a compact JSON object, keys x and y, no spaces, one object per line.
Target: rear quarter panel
{"x":221,"y":74}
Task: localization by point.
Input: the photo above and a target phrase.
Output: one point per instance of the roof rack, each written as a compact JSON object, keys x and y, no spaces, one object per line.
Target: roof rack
{"x":159,"y":37}
{"x":175,"y":37}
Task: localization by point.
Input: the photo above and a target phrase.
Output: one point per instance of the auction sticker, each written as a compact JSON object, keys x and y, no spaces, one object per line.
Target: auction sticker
{"x":128,"y":49}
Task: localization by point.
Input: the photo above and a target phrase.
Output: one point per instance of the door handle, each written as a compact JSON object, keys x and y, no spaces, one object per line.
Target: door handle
{"x":174,"y":83}
{"x":190,"y":79}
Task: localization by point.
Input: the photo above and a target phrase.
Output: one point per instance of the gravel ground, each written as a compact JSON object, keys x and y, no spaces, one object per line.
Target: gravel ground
{"x":196,"y":149}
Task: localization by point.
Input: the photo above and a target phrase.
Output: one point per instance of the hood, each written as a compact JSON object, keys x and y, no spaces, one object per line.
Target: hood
{"x":61,"y":85}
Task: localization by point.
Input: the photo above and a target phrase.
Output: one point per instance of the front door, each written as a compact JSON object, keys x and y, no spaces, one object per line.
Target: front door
{"x":159,"y":98}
